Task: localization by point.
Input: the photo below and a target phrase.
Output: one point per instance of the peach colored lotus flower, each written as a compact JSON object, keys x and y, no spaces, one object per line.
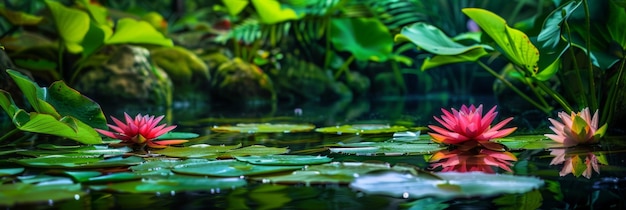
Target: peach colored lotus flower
{"x":478,"y":159}
{"x":142,"y":130}
{"x":573,"y":163}
{"x":576,"y":128}
{"x":469,"y":124}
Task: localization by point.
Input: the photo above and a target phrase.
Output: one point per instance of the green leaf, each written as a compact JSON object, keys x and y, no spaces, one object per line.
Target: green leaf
{"x":255,"y":150}
{"x":515,"y":44}
{"x":615,"y":25}
{"x":433,"y":40}
{"x":72,"y":25}
{"x":22,"y":193}
{"x":171,"y":184}
{"x":468,"y":184}
{"x":114,"y":177}
{"x":230,"y":168}
{"x":271,"y":11}
{"x":18,"y":18}
{"x":440,"y":60}
{"x":81,"y":176}
{"x":196,"y":151}
{"x":95,"y":38}
{"x":33,"y":93}
{"x":550,"y":34}
{"x":235,"y":6}
{"x":284,"y":160}
{"x":386,"y":148}
{"x":7,"y":103}
{"x":78,"y":161}
{"x":10,"y":171}
{"x":133,"y":31}
{"x":365,"y":38}
{"x":37,"y":65}
{"x":47,"y":124}
{"x":264,"y":128}
{"x":69,"y":102}
{"x":362,"y":129}
{"x":178,"y":135}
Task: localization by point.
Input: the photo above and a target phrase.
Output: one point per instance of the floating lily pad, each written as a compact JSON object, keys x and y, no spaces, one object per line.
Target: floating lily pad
{"x":284,"y":160}
{"x":114,"y":177}
{"x":171,"y":184}
{"x":386,"y":148}
{"x":10,"y":171}
{"x":335,"y":172}
{"x":264,"y":128}
{"x":22,"y":193}
{"x":528,"y":142}
{"x":230,"y":168}
{"x":94,"y":150}
{"x":258,"y":150}
{"x":362,"y":129}
{"x":78,"y":161}
{"x":178,"y":135}
{"x":78,"y":176}
{"x":454,"y":184}
{"x":196,"y":151}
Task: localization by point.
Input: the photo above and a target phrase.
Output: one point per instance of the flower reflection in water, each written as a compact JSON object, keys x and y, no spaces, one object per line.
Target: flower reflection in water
{"x":578,"y":161}
{"x":476,"y":158}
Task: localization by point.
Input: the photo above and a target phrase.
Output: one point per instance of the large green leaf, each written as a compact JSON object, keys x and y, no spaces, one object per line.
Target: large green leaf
{"x":617,"y":16}
{"x":95,"y":38}
{"x":440,"y":60}
{"x":550,"y":34}
{"x":271,"y":11}
{"x":69,"y":102}
{"x":129,"y":30}
{"x":7,"y":103}
{"x":284,"y":160}
{"x":48,"y":124}
{"x":19,"y":18}
{"x":515,"y":44}
{"x":72,"y":25}
{"x":170,"y":184}
{"x":433,"y":40}
{"x":33,"y":93}
{"x":230,"y":168}
{"x":365,"y":38}
{"x":22,"y":193}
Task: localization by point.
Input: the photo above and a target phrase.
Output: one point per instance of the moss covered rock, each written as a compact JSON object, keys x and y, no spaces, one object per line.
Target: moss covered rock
{"x":241,"y":82}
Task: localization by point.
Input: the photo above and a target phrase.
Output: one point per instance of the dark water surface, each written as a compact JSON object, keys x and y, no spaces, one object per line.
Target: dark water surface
{"x":604,"y":190}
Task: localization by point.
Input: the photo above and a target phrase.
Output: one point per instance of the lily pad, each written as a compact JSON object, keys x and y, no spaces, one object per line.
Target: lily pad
{"x":172,"y":184}
{"x":362,"y":129}
{"x":335,"y":172}
{"x":93,"y":150}
{"x":453,"y":185}
{"x":528,"y":142}
{"x":230,"y":168}
{"x":255,"y":150}
{"x":78,"y":161}
{"x":386,"y":148}
{"x":22,"y":193}
{"x":264,"y":128}
{"x":114,"y":177}
{"x":10,"y":171}
{"x":196,"y":151}
{"x":284,"y":160}
{"x":178,"y":135}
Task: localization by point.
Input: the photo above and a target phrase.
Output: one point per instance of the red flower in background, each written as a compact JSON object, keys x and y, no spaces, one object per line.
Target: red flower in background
{"x":142,"y":130}
{"x":468,"y":124}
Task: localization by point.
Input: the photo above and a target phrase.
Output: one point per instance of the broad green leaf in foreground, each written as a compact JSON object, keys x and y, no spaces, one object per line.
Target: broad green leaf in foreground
{"x":22,"y":193}
{"x":47,"y":124}
{"x":453,"y":185}
{"x":433,"y":40}
{"x":284,"y":160}
{"x":230,"y":168}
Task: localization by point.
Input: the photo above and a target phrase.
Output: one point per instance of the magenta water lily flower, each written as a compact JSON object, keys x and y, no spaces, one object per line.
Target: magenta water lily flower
{"x":469,"y":124}
{"x":574,"y":164}
{"x":478,"y":159}
{"x":576,"y":128}
{"x":141,"y":130}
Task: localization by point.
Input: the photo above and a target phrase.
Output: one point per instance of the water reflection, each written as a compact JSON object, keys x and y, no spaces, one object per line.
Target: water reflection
{"x":578,"y":161}
{"x":476,"y":158}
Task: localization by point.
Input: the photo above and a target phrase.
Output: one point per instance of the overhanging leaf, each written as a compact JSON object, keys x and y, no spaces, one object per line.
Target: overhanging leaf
{"x":550,"y":34}
{"x":271,"y":11}
{"x":440,"y":60}
{"x":33,"y":93}
{"x":433,"y":40}
{"x":69,"y":102}
{"x":47,"y":124}
{"x":129,"y":30}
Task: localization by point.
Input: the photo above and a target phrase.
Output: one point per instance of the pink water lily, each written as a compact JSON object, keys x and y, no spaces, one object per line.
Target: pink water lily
{"x":468,"y":124}
{"x":141,"y":130}
{"x":576,"y":128}
{"x":477,"y":159}
{"x":574,"y":164}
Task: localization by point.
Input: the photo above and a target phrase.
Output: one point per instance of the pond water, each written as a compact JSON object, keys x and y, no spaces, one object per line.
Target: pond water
{"x":604,"y":189}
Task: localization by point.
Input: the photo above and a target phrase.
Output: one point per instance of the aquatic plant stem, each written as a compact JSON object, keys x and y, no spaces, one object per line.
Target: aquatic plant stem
{"x":398,"y":74}
{"x":592,"y":83}
{"x":344,"y":67}
{"x":519,"y":92}
{"x":556,"y":96}
{"x":609,"y":104}
{"x":579,"y":79}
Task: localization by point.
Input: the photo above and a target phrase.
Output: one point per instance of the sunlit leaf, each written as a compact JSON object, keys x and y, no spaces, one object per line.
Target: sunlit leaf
{"x":272,"y":11}
{"x":515,"y":44}
{"x":433,"y":40}
{"x":235,"y":6}
{"x":469,"y":184}
{"x":21,"y":193}
{"x":72,"y":24}
{"x":264,"y":128}
{"x":18,"y":18}
{"x":129,"y":30}
{"x":284,"y":160}
{"x":230,"y":168}
{"x":47,"y":124}
{"x":33,"y":93}
{"x":170,"y":184}
{"x":10,"y":171}
{"x":361,"y":129}
{"x":440,"y":60}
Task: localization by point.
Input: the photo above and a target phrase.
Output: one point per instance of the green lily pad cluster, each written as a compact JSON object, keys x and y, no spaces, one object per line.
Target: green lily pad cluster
{"x":359,"y":129}
{"x":264,"y":128}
